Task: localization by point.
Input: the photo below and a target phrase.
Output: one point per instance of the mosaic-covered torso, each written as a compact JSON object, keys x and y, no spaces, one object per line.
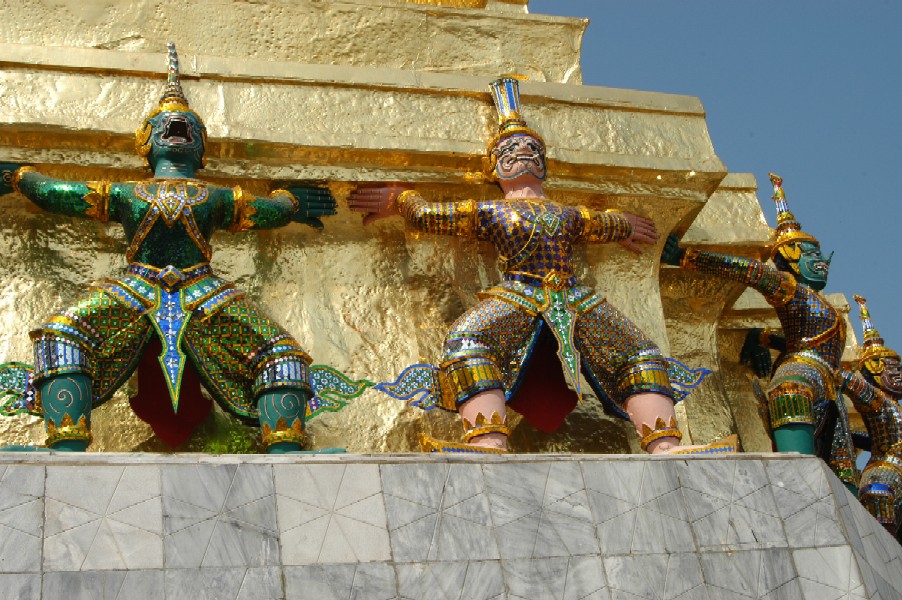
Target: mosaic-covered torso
{"x":168,"y":289}
{"x":534,"y":238}
{"x":812,"y":327}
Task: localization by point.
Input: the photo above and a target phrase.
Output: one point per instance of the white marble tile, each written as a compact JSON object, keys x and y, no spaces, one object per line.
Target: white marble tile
{"x":84,"y":585}
{"x":118,"y":528}
{"x":416,"y":483}
{"x":661,"y":526}
{"x":713,"y":482}
{"x":219,"y":516}
{"x":19,"y":553}
{"x":526,"y":482}
{"x":450,"y":580}
{"x":586,"y":579}
{"x":238,"y":544}
{"x":261,"y":583}
{"x":638,"y":576}
{"x":331,"y":515}
{"x":815,"y":525}
{"x":605,"y":507}
{"x":350,"y":540}
{"x":615,"y":536}
{"x":618,"y":480}
{"x":831,"y":571}
{"x":730,"y":575}
{"x":201,"y":486}
{"x":250,"y":484}
{"x":66,"y":551}
{"x":88,"y":487}
{"x":321,"y":582}
{"x":120,"y":546}
{"x":20,"y":586}
{"x":203,"y":584}
{"x":562,"y":535}
{"x":459,"y":539}
{"x":661,"y":478}
{"x":369,"y":581}
{"x":536,"y":579}
{"x":20,"y":484}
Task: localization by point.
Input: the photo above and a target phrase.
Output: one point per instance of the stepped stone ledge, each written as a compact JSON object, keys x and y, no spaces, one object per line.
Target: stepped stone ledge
{"x":412,"y":526}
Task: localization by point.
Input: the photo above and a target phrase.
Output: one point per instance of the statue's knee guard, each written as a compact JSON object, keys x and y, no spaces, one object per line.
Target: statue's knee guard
{"x":790,"y":402}
{"x":879,"y":500}
{"x":465,"y":377}
{"x":645,"y":373}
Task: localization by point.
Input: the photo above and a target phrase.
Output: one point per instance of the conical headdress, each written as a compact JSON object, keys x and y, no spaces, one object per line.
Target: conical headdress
{"x":789,"y":231}
{"x":873,"y":350}
{"x":172,"y":100}
{"x":506,"y":97}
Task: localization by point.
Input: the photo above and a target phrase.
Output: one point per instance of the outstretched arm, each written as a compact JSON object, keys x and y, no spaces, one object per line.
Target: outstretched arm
{"x":627,"y":229}
{"x":866,"y":397}
{"x":777,"y":287}
{"x":756,"y":350}
{"x":303,"y":204}
{"x":86,"y":199}
{"x":446,"y":218}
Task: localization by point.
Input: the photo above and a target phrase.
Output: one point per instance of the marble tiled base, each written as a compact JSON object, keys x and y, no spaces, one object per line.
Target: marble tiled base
{"x":405,"y":527}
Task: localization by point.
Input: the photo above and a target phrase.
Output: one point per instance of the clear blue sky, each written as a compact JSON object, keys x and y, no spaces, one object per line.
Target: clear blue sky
{"x":808,"y":89}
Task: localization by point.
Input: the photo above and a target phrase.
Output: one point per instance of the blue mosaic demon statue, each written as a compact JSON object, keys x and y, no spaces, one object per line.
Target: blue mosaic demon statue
{"x":876,"y":392}
{"x":525,"y":344}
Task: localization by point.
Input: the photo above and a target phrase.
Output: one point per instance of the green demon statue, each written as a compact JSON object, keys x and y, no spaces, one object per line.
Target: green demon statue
{"x":169,"y":302}
{"x":814,"y":334}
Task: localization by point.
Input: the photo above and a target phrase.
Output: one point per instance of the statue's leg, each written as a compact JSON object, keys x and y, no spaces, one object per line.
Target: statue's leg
{"x":64,"y":390}
{"x":627,"y":369}
{"x":878,"y":497}
{"x":282,"y":419}
{"x":791,"y":402}
{"x":490,"y":334}
{"x":66,"y":401}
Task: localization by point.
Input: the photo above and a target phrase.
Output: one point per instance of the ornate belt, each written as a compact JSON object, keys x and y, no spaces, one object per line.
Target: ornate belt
{"x":170,"y":278}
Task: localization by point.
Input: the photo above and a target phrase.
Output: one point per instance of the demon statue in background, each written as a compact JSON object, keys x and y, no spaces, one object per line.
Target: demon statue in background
{"x":169,"y":301}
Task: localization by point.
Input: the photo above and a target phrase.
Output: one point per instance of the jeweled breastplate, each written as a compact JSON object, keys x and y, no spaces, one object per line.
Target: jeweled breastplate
{"x":534,"y":240}
{"x":176,"y":222}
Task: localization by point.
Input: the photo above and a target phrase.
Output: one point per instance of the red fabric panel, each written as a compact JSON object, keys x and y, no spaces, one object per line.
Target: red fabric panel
{"x":152,"y":403}
{"x":543,"y":397}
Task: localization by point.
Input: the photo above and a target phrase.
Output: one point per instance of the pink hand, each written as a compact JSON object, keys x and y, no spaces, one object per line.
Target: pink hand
{"x":376,"y":201}
{"x":644,"y":232}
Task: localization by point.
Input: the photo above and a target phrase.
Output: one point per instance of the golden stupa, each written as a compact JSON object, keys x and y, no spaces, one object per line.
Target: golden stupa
{"x":335,"y":91}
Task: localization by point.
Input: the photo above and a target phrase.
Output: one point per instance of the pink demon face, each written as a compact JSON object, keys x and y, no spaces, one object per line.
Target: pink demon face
{"x":519,"y":154}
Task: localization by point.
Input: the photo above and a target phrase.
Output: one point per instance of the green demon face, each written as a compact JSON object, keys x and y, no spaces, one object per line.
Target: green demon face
{"x":812,"y":265}
{"x":177,"y":136}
